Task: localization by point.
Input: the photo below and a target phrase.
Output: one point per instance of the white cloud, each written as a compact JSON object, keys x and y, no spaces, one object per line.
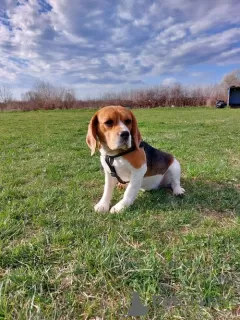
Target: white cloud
{"x":197,"y":74}
{"x":4,"y":34}
{"x":218,"y":16}
{"x":173,"y":33}
{"x":168,"y":81}
{"x":229,"y":57}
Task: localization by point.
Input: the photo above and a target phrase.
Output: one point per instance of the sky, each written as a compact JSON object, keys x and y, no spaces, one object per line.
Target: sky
{"x":98,"y":46}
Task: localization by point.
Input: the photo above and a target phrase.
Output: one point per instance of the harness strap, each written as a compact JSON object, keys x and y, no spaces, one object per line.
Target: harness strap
{"x":109,"y":160}
{"x":114,"y":174}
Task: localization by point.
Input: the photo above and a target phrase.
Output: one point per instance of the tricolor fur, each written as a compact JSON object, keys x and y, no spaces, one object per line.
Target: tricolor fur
{"x":114,"y":129}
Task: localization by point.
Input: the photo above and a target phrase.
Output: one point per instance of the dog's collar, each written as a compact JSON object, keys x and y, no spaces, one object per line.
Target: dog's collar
{"x":109,"y":160}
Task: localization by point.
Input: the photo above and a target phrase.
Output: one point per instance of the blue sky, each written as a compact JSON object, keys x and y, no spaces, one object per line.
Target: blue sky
{"x":97,"y":46}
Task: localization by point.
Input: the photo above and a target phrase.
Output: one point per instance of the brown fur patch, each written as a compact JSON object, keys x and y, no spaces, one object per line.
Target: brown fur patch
{"x":136,"y":158}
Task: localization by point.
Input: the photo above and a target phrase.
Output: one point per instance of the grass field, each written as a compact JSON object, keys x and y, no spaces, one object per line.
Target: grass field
{"x":60,"y":260}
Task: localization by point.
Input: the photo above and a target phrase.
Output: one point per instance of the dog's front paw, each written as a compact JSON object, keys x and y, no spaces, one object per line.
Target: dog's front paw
{"x":178,"y":191}
{"x":118,"y":207}
{"x":101,"y":207}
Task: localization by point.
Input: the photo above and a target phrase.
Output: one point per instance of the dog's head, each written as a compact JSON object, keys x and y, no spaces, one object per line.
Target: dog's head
{"x":115,"y":128}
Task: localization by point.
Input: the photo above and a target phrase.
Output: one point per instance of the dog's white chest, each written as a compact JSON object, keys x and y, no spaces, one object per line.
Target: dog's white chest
{"x":122,"y":167}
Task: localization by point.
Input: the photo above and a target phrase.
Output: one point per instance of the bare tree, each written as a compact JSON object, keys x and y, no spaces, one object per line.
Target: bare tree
{"x":6,"y":94}
{"x":231,"y":79}
{"x":46,"y":96}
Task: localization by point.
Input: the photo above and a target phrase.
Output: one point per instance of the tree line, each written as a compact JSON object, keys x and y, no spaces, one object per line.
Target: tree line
{"x":46,"y":96}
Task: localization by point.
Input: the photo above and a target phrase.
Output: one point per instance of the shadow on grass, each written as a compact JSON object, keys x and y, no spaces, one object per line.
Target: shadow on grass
{"x":206,"y":198}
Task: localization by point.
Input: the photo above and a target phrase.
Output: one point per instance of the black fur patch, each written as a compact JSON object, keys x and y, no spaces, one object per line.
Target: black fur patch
{"x":157,"y":160}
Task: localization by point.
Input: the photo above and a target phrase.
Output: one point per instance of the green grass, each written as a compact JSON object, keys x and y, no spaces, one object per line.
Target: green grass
{"x":60,"y":260}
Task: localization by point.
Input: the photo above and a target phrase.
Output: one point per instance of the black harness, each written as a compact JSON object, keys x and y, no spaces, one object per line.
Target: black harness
{"x":109,"y":160}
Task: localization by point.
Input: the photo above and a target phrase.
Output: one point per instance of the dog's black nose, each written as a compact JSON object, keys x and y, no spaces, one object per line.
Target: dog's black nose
{"x":124,"y":134}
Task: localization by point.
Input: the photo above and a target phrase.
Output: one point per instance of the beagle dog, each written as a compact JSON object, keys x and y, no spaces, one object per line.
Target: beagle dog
{"x":127,"y":159}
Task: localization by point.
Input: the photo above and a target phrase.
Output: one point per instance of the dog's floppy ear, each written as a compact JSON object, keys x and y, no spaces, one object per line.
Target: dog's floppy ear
{"x":91,"y":137}
{"x":137,"y":138}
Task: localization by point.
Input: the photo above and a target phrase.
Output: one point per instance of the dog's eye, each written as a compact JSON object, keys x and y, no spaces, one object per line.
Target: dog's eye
{"x":109,"y":123}
{"x":128,"y":121}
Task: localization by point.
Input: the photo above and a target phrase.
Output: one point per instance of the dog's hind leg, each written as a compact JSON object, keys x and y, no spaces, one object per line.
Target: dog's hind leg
{"x":172,"y":178}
